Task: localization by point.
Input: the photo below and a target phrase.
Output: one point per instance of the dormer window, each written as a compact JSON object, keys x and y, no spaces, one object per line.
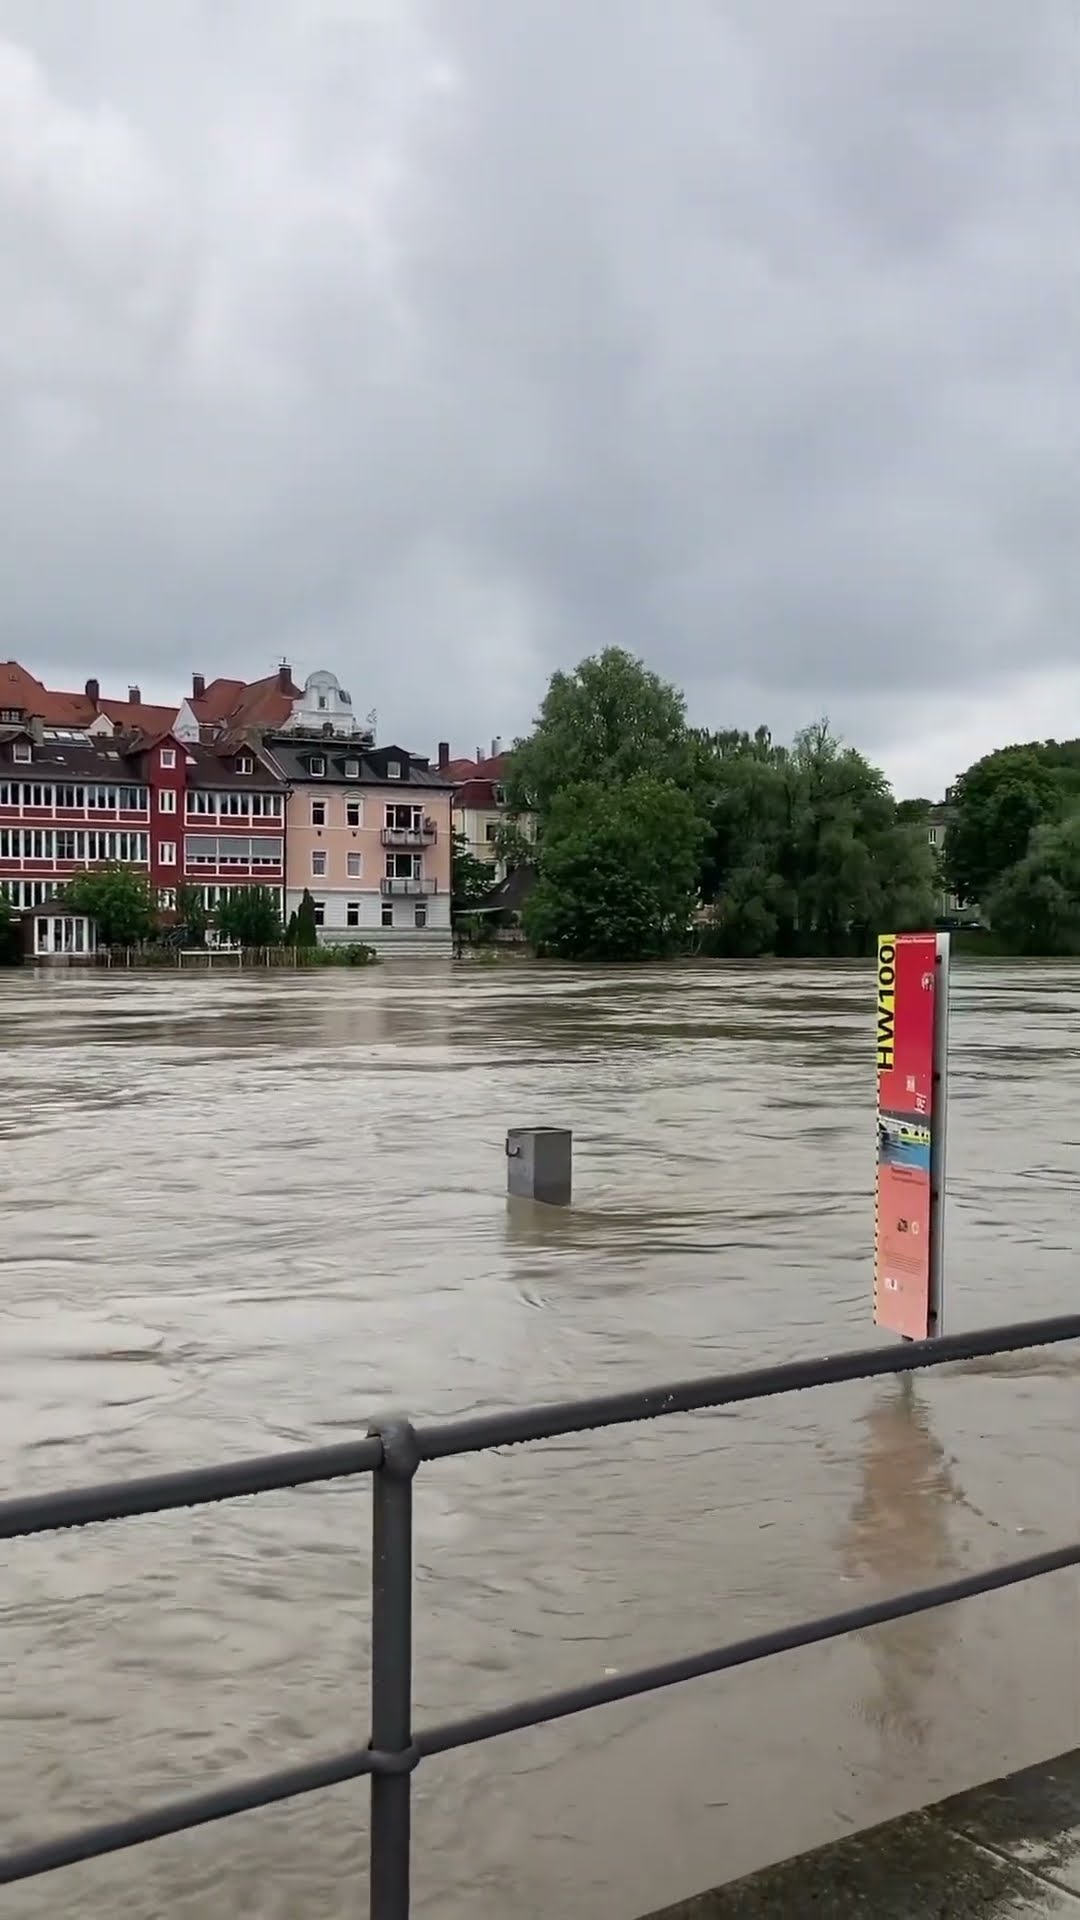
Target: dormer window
{"x":352,"y":769}
{"x":317,"y":766}
{"x":245,"y":764}
{"x":168,"y":756}
{"x":393,"y":769}
{"x":22,"y":750}
{"x":12,"y":715}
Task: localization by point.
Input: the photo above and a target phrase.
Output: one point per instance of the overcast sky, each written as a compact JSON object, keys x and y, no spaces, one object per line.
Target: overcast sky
{"x":441,"y":342}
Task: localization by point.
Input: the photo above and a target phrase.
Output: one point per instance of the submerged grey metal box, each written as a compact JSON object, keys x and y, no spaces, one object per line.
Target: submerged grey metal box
{"x":538,"y":1164}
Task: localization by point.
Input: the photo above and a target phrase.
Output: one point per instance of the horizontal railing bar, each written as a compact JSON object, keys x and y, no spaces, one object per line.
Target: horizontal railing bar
{"x":193,"y":1487}
{"x":519,"y":1426}
{"x":740,"y":1653}
{"x":177,"y":1816}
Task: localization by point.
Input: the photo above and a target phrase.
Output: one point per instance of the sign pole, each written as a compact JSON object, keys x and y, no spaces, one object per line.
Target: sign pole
{"x":912,"y":1088}
{"x":938,"y":1134}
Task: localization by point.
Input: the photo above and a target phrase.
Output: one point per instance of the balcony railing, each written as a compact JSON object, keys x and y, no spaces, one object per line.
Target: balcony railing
{"x":393,"y":1452}
{"x":396,"y":886}
{"x":422,"y":836}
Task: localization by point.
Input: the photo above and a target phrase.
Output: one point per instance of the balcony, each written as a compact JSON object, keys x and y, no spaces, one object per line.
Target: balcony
{"x":393,"y":888}
{"x":421,"y":836}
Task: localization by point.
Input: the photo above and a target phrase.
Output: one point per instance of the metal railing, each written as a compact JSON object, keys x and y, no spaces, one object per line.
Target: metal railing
{"x":397,"y":884}
{"x":393,"y":1452}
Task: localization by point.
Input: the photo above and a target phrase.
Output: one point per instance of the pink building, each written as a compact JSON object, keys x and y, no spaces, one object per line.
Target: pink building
{"x":369,"y":836}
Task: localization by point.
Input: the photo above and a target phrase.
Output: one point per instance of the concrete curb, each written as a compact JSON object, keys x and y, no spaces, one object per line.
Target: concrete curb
{"x":995,"y":1853}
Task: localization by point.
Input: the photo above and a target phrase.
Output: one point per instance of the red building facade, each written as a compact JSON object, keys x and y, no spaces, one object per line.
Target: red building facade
{"x":196,"y":816}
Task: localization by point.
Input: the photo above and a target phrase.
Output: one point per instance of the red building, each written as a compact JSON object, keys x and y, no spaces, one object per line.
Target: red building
{"x":185,"y":815}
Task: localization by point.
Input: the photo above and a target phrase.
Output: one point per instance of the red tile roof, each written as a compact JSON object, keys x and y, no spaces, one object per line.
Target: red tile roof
{"x":18,"y":688}
{"x":485,"y":769}
{"x":229,"y":704}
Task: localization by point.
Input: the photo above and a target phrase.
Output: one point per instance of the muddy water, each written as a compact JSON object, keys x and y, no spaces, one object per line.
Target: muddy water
{"x":241,"y":1214}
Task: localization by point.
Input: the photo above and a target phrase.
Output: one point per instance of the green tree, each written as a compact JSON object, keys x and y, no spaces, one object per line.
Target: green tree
{"x":1035,"y":907}
{"x":805,"y":848}
{"x":609,"y":720}
{"x":307,"y":929}
{"x":118,"y":899}
{"x":251,"y":916}
{"x":618,"y":872}
{"x":191,"y":915}
{"x":997,"y":804}
{"x":471,"y":879}
{"x":10,"y":943}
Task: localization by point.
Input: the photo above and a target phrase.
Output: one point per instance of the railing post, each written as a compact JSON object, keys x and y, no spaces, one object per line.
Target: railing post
{"x":391,"y":1668}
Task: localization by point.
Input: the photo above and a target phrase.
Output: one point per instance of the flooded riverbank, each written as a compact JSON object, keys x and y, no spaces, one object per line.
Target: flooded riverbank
{"x":237,"y":1214}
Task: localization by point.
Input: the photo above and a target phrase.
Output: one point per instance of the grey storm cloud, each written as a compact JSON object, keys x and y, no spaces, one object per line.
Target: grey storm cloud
{"x":443,"y":343}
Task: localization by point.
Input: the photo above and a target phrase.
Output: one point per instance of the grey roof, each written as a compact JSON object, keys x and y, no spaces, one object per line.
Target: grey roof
{"x":511,"y":893}
{"x":75,"y":760}
{"x":211,"y":768}
{"x":293,"y":754}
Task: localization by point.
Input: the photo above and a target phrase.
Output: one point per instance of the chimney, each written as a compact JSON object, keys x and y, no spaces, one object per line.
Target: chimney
{"x":444,"y":755}
{"x":496,"y":747}
{"x":134,"y":696}
{"x":93,"y":692}
{"x":198,"y":686}
{"x":479,"y":755}
{"x":284,"y":678}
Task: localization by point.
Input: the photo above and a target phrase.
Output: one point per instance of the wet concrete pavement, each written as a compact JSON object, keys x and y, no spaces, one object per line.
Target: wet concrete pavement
{"x":1000,"y":1852}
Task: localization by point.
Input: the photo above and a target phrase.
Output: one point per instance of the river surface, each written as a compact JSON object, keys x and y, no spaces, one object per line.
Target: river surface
{"x":240,"y":1214}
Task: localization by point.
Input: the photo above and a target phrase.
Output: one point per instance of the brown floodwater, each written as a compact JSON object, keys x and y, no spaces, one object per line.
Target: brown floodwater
{"x":239,"y":1214}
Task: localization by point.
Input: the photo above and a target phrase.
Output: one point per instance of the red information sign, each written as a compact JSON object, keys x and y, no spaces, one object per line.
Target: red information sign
{"x":910,"y":1013}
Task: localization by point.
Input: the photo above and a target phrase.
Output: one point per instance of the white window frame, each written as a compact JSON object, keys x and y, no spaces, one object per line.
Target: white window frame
{"x":320,"y":912}
{"x":322,"y":804}
{"x":317,"y":767}
{"x":245,"y":764}
{"x":167,"y":853}
{"x":354,"y":866}
{"x":352,"y":769}
{"x":354,"y":806}
{"x":167,"y":800}
{"x":393,"y":769}
{"x":23,"y":751}
{"x":168,"y":756}
{"x":318,"y":863}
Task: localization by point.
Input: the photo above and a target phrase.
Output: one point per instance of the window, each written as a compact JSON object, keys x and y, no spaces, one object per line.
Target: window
{"x":491,"y":831}
{"x":420,"y":913}
{"x":388,"y":913}
{"x":167,"y":852}
{"x":316,"y":766}
{"x":21,"y":750}
{"x":354,"y":865}
{"x":11,"y":714}
{"x":168,"y":756}
{"x":404,"y":819}
{"x":322,"y":703}
{"x":320,"y":912}
{"x":352,"y":813}
{"x":352,"y":769}
{"x":245,"y":764}
{"x":352,"y":913}
{"x":167,"y":800}
{"x":403,"y":866}
{"x":167,"y":899}
{"x":318,"y":862}
{"x":318,"y":813}
{"x":66,"y":846}
{"x":393,"y":769}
